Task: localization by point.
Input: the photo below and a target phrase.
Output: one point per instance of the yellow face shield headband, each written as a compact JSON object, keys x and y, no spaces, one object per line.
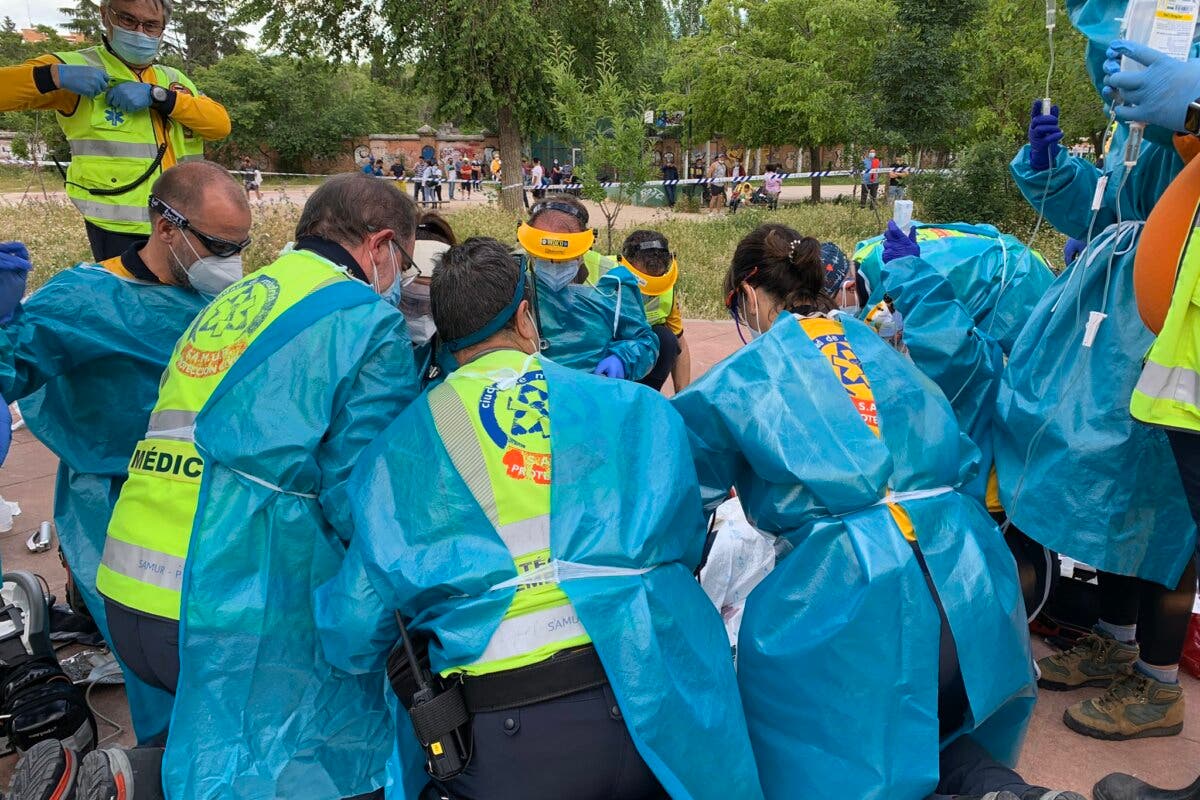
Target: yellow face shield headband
{"x":653,"y":285}
{"x":555,"y":246}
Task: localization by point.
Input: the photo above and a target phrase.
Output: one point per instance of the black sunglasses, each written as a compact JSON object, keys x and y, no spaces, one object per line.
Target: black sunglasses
{"x":222,"y":248}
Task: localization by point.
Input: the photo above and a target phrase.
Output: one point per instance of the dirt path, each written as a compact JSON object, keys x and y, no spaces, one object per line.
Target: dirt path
{"x":630,"y":216}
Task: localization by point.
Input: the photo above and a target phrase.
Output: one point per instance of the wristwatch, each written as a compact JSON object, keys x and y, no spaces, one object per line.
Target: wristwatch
{"x":158,"y":95}
{"x":1191,"y":122}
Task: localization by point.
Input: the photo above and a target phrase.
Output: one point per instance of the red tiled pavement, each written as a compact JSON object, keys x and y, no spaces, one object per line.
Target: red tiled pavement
{"x":1053,"y":755}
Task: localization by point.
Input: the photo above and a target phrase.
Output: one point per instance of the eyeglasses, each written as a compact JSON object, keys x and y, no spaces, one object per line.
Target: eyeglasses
{"x":222,"y":248}
{"x":130,"y":23}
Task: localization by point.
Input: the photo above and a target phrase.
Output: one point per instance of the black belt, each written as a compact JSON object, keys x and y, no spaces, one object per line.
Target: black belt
{"x":565,"y":673}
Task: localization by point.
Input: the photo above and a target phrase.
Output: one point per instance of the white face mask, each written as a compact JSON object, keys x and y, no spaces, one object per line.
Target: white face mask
{"x":420,"y":329}
{"x":756,"y":329}
{"x":557,"y":274}
{"x":210,"y":274}
{"x":414,"y":305}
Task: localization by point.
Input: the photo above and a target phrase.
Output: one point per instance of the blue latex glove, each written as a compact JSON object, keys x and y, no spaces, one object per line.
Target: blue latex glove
{"x":1158,"y":95}
{"x":84,"y":81}
{"x":898,"y":244}
{"x":14,"y":270}
{"x":1044,"y":136}
{"x":5,"y":429}
{"x":131,"y":96}
{"x":610,"y":367}
{"x":1072,"y":250}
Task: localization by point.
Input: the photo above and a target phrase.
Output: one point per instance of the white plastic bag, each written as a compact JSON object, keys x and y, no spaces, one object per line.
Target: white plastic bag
{"x":740,"y":558}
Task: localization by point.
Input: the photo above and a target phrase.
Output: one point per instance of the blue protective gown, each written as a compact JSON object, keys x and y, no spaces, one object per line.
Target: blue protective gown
{"x":838,"y":651}
{"x":1077,"y":473}
{"x":259,"y":712}
{"x":84,"y":355}
{"x":583,"y":324}
{"x":619,"y":498}
{"x":947,"y":345}
{"x":996,"y":277}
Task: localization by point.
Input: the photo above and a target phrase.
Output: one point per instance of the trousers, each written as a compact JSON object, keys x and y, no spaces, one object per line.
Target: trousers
{"x":668,"y":354}
{"x":109,"y":244}
{"x":575,"y":746}
{"x":148,"y":645}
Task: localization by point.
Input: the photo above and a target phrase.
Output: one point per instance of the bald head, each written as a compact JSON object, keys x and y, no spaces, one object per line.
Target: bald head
{"x":213,"y":204}
{"x":208,"y":196}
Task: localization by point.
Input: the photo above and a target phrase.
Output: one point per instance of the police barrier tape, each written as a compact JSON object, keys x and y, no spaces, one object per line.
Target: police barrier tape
{"x":782,"y":176}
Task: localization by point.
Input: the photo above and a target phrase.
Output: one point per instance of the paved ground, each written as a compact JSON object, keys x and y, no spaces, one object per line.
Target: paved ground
{"x":1053,"y":756}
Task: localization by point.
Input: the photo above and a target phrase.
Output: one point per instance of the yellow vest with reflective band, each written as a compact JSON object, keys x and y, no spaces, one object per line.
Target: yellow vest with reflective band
{"x":830,"y":338}
{"x":151,"y":526}
{"x":1168,"y":393}
{"x":112,"y":148}
{"x":657,"y":308}
{"x":493,"y":417}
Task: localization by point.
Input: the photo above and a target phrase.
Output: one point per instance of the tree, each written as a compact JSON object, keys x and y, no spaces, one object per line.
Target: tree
{"x":205,"y":32}
{"x":83,"y":18}
{"x":605,"y":118}
{"x":921,"y":73}
{"x":687,"y":17}
{"x":1008,"y":57}
{"x":774,"y":71}
{"x":479,"y":59}
{"x":272,"y":101}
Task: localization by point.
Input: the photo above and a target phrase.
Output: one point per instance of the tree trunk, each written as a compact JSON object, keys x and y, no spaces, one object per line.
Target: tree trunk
{"x":814,"y":159}
{"x":510,"y":159}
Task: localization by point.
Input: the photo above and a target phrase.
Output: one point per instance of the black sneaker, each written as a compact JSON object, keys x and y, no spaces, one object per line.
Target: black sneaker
{"x":1125,"y":787}
{"x":116,"y":774}
{"x":46,"y":771}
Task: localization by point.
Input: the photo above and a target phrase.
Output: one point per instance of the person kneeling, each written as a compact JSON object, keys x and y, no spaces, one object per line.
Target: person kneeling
{"x":522,"y":522}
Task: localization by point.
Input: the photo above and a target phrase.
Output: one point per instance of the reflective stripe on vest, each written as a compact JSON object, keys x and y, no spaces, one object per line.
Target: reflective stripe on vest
{"x":658,"y":308}
{"x":151,"y":526}
{"x":541,"y":620}
{"x":111,"y":148}
{"x":1168,"y":392}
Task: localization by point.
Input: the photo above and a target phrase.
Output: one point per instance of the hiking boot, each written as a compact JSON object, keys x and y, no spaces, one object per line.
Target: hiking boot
{"x":1134,"y":707}
{"x":1126,"y":787}
{"x":1095,"y":660}
{"x":117,"y":774}
{"x":46,"y":771}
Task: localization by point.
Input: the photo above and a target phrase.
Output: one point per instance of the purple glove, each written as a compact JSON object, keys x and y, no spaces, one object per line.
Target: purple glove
{"x":1044,"y":136}
{"x":129,"y":97}
{"x":1072,"y":250}
{"x":14,"y":271}
{"x":898,"y":244}
{"x":610,"y":367}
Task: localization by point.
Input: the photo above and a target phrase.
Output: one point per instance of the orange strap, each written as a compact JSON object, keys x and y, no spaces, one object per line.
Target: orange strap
{"x":1160,"y":249}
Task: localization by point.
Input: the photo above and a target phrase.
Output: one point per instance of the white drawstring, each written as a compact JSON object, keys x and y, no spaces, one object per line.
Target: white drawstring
{"x":559,"y":571}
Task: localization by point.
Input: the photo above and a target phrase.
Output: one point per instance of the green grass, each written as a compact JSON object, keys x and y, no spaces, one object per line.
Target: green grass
{"x":15,"y":178}
{"x":54,"y":233}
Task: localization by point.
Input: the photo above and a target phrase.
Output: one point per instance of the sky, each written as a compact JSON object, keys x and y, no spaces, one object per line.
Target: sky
{"x":41,"y":12}
{"x":27,"y":13}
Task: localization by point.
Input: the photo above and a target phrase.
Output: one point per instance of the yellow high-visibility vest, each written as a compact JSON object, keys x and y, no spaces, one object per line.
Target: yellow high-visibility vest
{"x":499,"y":440}
{"x":111,"y":149}
{"x":151,"y":527}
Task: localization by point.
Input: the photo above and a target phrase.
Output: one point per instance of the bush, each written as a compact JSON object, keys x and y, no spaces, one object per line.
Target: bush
{"x":979,"y":188}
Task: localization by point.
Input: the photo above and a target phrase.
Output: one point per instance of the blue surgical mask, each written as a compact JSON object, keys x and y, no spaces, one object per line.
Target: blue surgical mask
{"x":393,"y":294}
{"x":557,"y":274}
{"x":134,"y":47}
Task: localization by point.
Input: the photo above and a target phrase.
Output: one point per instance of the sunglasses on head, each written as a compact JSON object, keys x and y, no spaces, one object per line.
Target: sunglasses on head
{"x":222,"y":248}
